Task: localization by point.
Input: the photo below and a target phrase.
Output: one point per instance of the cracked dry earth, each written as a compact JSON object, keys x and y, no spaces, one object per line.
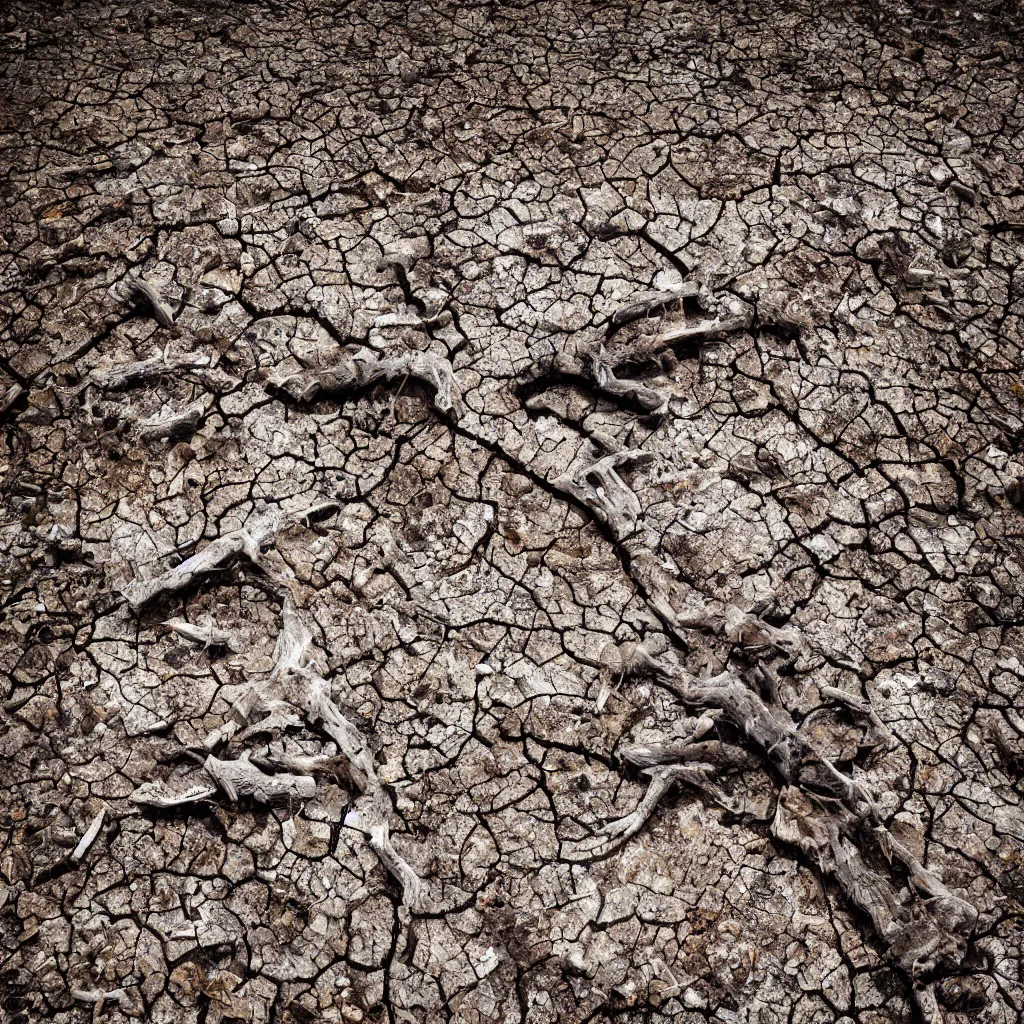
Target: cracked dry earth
{"x":511,"y":512}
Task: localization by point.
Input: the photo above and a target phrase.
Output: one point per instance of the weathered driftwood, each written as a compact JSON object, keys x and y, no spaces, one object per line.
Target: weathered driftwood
{"x":599,"y":486}
{"x":820,"y":810}
{"x":602,"y":375}
{"x":208,"y":636}
{"x":773,"y":730}
{"x":713,"y":752}
{"x":249,"y":542}
{"x":236,"y":778}
{"x":880,"y":734}
{"x":706,"y":329}
{"x":654,"y":303}
{"x":174,"y":425}
{"x":238,"y":718}
{"x":360,"y":371}
{"x":919,"y":939}
{"x":90,"y":836}
{"x":597,"y":357}
{"x":743,"y":628}
{"x":242,"y":778}
{"x":312,"y":694}
{"x":195,"y":787}
{"x":152,"y":297}
{"x":101,"y":996}
{"x":119,"y":376}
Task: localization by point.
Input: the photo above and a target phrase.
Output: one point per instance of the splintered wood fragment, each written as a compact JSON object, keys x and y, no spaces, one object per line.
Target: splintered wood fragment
{"x":881,"y":734}
{"x":743,"y":628}
{"x":312,"y":694}
{"x":151,"y":295}
{"x":395,"y":864}
{"x":599,"y":486}
{"x":919,"y":943}
{"x":603,"y":375}
{"x":99,"y":997}
{"x":10,"y":396}
{"x":238,"y":719}
{"x":174,"y":425}
{"x":724,"y":756}
{"x":249,"y":541}
{"x":359,"y":371}
{"x":663,"y":778}
{"x":198,"y":786}
{"x":954,"y":913}
{"x":653,"y":303}
{"x":242,"y":778}
{"x":120,"y":376}
{"x":90,"y":836}
{"x":705,"y":329}
{"x":208,"y":636}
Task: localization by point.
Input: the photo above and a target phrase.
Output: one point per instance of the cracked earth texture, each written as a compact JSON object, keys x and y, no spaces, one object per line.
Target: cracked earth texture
{"x":511,"y":512}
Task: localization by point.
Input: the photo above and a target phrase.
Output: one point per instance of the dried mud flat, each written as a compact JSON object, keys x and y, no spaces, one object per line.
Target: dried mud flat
{"x":511,"y":512}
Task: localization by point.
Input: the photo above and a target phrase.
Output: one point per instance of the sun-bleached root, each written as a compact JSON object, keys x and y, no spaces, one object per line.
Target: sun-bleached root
{"x":654,"y":303}
{"x":174,"y":425}
{"x":90,"y":836}
{"x":242,"y":778}
{"x":119,"y":376}
{"x":598,"y":486}
{"x":820,"y":810}
{"x":100,"y":996}
{"x":311,"y":693}
{"x":151,"y":296}
{"x":259,"y":532}
{"x":360,"y":371}
{"x":920,"y":939}
{"x":208,"y":636}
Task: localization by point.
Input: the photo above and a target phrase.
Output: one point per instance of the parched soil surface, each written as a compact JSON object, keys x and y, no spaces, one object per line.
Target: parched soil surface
{"x":511,"y":512}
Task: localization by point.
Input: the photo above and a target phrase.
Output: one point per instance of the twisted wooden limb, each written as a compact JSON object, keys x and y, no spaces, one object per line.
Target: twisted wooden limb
{"x":713,"y":752}
{"x":917,"y":940}
{"x":312,"y":694}
{"x":880,"y":734}
{"x":654,"y":303}
{"x":178,"y":424}
{"x":151,"y":296}
{"x":772,"y":729}
{"x":249,"y":541}
{"x":236,"y":778}
{"x":360,"y":371}
{"x":129,"y":375}
{"x":602,"y":374}
{"x":243,"y":778}
{"x":599,"y":486}
{"x":208,"y":636}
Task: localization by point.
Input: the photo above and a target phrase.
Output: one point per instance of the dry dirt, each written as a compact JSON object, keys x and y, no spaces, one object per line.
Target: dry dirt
{"x":399,"y":627}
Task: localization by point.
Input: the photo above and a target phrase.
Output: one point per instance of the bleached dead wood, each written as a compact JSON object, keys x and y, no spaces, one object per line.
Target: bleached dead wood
{"x":242,"y":778}
{"x":208,"y":636}
{"x":312,"y":694}
{"x":249,"y":541}
{"x":917,"y":939}
{"x":101,"y":996}
{"x":654,"y":303}
{"x":359,"y":371}
{"x":599,"y":486}
{"x":152,"y":297}
{"x":173,"y":425}
{"x":236,"y":778}
{"x":90,"y":836}
{"x":119,"y":376}
{"x":197,"y":786}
